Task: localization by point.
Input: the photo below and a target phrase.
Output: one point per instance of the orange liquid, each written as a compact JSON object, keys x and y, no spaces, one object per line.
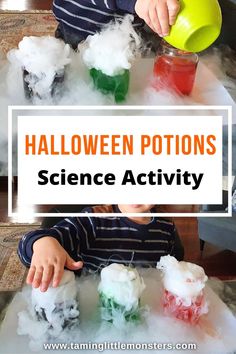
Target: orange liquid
{"x":174,"y":73}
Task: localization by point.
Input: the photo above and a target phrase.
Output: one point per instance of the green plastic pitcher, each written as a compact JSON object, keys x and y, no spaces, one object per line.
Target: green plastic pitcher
{"x":197,"y":26}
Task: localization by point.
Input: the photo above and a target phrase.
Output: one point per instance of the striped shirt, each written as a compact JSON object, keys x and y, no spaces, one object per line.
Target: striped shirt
{"x":86,"y":17}
{"x":100,"y":241}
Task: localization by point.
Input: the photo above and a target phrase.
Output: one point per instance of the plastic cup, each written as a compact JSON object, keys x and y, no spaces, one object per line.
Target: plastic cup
{"x":191,"y":313}
{"x":56,"y":86}
{"x":197,"y":26}
{"x":111,"y":310}
{"x":117,"y":85}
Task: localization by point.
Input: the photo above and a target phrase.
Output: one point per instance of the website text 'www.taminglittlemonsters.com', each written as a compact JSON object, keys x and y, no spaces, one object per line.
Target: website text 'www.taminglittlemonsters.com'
{"x":104,"y":346}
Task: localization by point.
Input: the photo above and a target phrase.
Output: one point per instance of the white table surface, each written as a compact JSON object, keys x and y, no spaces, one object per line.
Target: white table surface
{"x":158,"y":327}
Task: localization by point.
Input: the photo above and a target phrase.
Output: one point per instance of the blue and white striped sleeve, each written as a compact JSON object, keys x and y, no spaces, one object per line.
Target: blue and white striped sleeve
{"x":25,"y":247}
{"x":67,"y":232}
{"x":125,"y":5}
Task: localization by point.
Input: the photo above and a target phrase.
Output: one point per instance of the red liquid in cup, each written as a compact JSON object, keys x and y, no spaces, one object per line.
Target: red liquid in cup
{"x":173,"y":306}
{"x":174,"y":73}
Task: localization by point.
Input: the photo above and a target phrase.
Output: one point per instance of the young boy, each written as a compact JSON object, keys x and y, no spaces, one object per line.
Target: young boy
{"x":94,"y":242}
{"x":80,"y":18}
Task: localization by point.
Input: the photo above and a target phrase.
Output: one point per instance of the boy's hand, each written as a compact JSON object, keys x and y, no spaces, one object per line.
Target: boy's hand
{"x":159,"y":15}
{"x":48,"y":262}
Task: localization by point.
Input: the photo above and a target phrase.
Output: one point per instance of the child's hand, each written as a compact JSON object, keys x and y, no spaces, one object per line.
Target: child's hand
{"x":159,"y":15}
{"x":48,"y":262}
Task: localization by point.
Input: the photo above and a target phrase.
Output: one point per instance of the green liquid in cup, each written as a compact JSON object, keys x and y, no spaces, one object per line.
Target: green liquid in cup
{"x":110,"y":309}
{"x":117,"y":85}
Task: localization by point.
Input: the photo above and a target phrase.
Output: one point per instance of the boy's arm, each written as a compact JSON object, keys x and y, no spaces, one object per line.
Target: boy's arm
{"x":159,"y":15}
{"x":48,"y":251}
{"x":125,"y":5}
{"x":66,"y":232}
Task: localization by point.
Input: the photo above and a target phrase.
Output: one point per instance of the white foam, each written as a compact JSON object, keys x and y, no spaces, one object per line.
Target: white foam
{"x":123,"y":284}
{"x":156,"y":327}
{"x":42,"y":58}
{"x":113,"y":49}
{"x":184,"y":279}
{"x":50,"y":312}
{"x":48,"y":300}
